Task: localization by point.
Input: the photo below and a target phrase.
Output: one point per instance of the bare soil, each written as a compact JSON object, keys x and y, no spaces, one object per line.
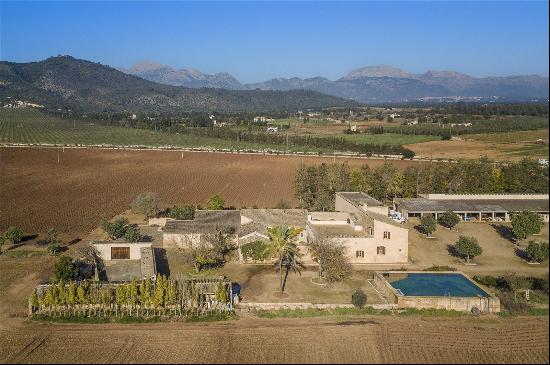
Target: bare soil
{"x":472,"y":149}
{"x":373,"y":339}
{"x":500,"y":254}
{"x":37,"y":192}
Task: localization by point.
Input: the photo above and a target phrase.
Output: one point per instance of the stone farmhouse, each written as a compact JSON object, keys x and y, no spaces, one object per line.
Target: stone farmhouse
{"x":124,"y":261}
{"x":360,"y":223}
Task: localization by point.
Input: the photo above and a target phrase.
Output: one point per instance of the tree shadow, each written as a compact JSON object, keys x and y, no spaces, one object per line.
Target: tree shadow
{"x":161,"y":260}
{"x":451,"y":249}
{"x":147,"y":238}
{"x":521,"y":253}
{"x":27,"y":238}
{"x":74,"y":241}
{"x":23,"y":242}
{"x":504,"y":232}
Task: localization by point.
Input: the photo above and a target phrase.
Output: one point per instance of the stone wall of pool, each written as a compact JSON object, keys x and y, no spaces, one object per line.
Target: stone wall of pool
{"x":448,"y":290}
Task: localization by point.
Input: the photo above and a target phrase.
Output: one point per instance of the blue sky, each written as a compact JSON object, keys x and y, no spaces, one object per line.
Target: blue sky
{"x":259,"y":40}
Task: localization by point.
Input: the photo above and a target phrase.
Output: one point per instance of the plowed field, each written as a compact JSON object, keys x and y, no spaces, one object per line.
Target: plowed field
{"x":314,"y":340}
{"x":72,"y":190}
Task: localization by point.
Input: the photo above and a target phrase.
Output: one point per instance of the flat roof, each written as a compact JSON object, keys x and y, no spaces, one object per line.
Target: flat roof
{"x":205,"y":221}
{"x":360,"y":198}
{"x":337,"y":230}
{"x":274,"y":217}
{"x":413,"y":205}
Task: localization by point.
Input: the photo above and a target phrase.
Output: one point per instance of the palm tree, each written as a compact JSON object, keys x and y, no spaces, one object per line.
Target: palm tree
{"x":283,"y":246}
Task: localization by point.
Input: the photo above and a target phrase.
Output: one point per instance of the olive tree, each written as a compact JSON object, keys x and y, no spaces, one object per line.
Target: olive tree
{"x":12,"y":235}
{"x":537,"y":251}
{"x":334,"y":266}
{"x":428,"y":225}
{"x":449,"y":219}
{"x":146,"y":204}
{"x":64,"y":269}
{"x":468,"y":247}
{"x":525,"y":224}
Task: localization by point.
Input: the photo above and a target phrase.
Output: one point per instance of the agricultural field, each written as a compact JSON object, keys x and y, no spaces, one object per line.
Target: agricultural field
{"x":30,"y":126}
{"x":255,"y":340}
{"x":499,"y":146}
{"x":71,"y":189}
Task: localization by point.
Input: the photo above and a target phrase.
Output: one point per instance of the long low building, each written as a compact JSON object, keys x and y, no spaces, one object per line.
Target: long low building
{"x":473,"y":207}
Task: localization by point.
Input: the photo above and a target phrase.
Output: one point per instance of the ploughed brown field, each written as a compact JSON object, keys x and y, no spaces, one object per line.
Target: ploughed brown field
{"x":37,"y":192}
{"x":375,"y":339}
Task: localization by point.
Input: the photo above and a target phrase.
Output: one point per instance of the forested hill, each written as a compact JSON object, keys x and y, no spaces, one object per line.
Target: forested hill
{"x":60,"y":82}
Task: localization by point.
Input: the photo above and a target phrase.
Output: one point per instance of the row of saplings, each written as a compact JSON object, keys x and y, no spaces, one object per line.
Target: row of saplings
{"x":524,"y":224}
{"x":162,"y":296}
{"x":13,"y":236}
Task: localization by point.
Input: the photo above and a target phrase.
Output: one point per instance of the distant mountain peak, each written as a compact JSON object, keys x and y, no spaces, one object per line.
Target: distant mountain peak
{"x":189,"y":77}
{"x":146,"y":66}
{"x":377,"y":71}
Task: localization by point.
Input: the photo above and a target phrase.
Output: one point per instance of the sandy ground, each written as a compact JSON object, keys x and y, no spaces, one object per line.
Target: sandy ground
{"x":499,"y":255}
{"x":471,"y":149}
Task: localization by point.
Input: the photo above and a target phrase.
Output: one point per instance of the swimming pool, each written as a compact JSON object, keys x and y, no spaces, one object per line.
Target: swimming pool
{"x":435,"y":284}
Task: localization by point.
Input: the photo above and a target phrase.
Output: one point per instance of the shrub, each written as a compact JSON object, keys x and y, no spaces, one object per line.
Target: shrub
{"x":13,"y":235}
{"x":359,"y":299}
{"x":449,"y":219}
{"x":537,"y":251}
{"x":116,"y":229}
{"x":146,"y":204}
{"x":281,"y":204}
{"x":187,"y":212}
{"x":256,"y":251}
{"x":132,"y":233}
{"x":468,"y":247}
{"x":215,"y":202}
{"x":525,"y":224}
{"x":408,"y":154}
{"x":64,"y":269}
{"x":440,"y":268}
{"x":54,"y":248}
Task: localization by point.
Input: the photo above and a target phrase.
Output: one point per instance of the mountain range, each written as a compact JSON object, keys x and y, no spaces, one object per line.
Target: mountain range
{"x":367,"y":84}
{"x":67,"y":82}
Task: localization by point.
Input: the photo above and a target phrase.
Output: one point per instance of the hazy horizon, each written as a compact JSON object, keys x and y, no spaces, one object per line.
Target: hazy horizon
{"x":257,"y":41}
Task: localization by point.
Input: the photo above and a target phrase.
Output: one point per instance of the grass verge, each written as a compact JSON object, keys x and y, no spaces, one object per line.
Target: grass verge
{"x":312,"y":312}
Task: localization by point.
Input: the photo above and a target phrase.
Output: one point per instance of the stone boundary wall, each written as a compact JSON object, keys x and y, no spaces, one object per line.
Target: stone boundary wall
{"x":292,"y":306}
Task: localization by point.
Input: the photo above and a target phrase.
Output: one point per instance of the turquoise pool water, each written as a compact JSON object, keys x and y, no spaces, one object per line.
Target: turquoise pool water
{"x":445,"y":284}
